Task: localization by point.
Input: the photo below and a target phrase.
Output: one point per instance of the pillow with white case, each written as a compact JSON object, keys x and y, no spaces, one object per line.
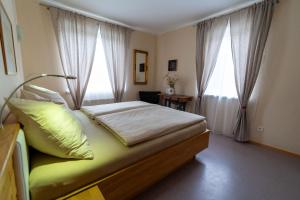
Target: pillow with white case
{"x":45,"y":93}
{"x":31,"y":96}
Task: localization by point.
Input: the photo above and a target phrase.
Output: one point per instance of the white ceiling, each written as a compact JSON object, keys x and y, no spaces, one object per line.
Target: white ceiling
{"x":155,"y":16}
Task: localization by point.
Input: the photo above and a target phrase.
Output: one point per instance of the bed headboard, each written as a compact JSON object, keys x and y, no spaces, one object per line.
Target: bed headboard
{"x":8,"y":136}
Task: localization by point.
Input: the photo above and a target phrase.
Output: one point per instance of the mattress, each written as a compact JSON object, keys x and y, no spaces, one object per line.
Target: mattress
{"x":104,"y":109}
{"x":128,"y":125}
{"x":51,"y":177}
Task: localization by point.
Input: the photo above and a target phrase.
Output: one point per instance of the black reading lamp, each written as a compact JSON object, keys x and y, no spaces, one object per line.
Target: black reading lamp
{"x":34,"y":78}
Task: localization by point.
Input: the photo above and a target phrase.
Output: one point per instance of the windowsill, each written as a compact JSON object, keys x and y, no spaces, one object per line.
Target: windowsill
{"x":220,"y":97}
{"x":100,"y":99}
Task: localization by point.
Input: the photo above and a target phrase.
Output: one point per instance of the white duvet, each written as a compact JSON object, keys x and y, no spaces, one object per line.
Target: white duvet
{"x":93,"y":111}
{"x":145,"y":123}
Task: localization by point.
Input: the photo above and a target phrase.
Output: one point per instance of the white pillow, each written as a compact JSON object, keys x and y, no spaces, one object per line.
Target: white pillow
{"x":46,"y":94}
{"x":31,"y":96}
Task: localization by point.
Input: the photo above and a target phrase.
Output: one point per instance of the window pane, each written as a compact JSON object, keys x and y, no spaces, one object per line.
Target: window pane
{"x":99,"y":86}
{"x":222,"y":82}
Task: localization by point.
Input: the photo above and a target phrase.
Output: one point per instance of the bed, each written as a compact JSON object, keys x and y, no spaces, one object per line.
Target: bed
{"x":117,"y":171}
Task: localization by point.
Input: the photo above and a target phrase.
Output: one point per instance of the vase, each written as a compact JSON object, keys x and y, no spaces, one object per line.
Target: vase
{"x":170,"y":91}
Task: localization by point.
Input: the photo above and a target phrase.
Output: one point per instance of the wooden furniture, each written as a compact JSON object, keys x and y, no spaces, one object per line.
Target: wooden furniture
{"x":180,"y":101}
{"x":8,"y":137}
{"x":150,"y":96}
{"x":92,"y":193}
{"x":132,"y":180}
{"x":120,"y":185}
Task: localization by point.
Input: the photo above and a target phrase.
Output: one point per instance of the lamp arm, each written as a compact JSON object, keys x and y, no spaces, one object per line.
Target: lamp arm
{"x":16,"y":89}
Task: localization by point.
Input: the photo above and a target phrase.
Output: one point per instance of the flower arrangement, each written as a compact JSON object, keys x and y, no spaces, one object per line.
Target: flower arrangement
{"x":171,"y":79}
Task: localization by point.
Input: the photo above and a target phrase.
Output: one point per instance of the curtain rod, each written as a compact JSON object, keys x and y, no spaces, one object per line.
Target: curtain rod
{"x":228,"y":11}
{"x":50,"y":3}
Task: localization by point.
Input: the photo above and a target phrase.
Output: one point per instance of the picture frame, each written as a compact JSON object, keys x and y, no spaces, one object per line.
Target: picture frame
{"x":172,"y":65}
{"x":7,"y":43}
{"x":140,"y":67}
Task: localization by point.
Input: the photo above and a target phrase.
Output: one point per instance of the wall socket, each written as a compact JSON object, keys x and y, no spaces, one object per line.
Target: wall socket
{"x":260,"y":129}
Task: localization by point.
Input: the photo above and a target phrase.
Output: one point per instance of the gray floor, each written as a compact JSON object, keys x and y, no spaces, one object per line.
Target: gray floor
{"x":232,"y":171}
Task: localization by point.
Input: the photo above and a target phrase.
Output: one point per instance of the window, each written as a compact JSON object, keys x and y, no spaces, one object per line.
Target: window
{"x":99,"y":86}
{"x":222,"y":81}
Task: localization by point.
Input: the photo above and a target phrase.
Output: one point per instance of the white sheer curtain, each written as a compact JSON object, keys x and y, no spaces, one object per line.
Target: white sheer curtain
{"x":76,"y":37}
{"x":115,"y":41}
{"x":208,"y":40}
{"x":222,"y":79}
{"x":220,"y":103}
{"x":99,"y":87}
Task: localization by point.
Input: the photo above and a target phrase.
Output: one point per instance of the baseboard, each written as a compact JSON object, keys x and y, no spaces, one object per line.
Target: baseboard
{"x":275,"y":149}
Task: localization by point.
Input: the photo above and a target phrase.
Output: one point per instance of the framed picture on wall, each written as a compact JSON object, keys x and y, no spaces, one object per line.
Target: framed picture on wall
{"x":142,"y":67}
{"x":7,"y":43}
{"x":172,"y":65}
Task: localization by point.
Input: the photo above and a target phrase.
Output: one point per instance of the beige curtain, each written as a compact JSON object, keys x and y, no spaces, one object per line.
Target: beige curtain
{"x":208,"y":40}
{"x":115,"y":41}
{"x":249,"y":32}
{"x":76,"y":38}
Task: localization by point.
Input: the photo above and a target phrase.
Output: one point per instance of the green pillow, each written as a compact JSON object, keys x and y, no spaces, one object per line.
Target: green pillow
{"x":51,"y":129}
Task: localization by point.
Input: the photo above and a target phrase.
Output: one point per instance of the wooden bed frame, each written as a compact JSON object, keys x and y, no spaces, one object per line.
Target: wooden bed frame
{"x":130,"y":181}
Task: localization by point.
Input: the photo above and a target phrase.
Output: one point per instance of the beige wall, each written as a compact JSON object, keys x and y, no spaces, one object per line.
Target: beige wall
{"x":180,"y":45}
{"x":38,"y":43}
{"x":40,"y":52}
{"x":275,"y":101}
{"x":9,"y":82}
{"x":277,"y":93}
{"x":145,"y":42}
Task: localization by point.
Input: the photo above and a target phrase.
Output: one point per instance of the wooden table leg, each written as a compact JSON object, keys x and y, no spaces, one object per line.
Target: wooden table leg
{"x":183,"y":106}
{"x":169,"y":103}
